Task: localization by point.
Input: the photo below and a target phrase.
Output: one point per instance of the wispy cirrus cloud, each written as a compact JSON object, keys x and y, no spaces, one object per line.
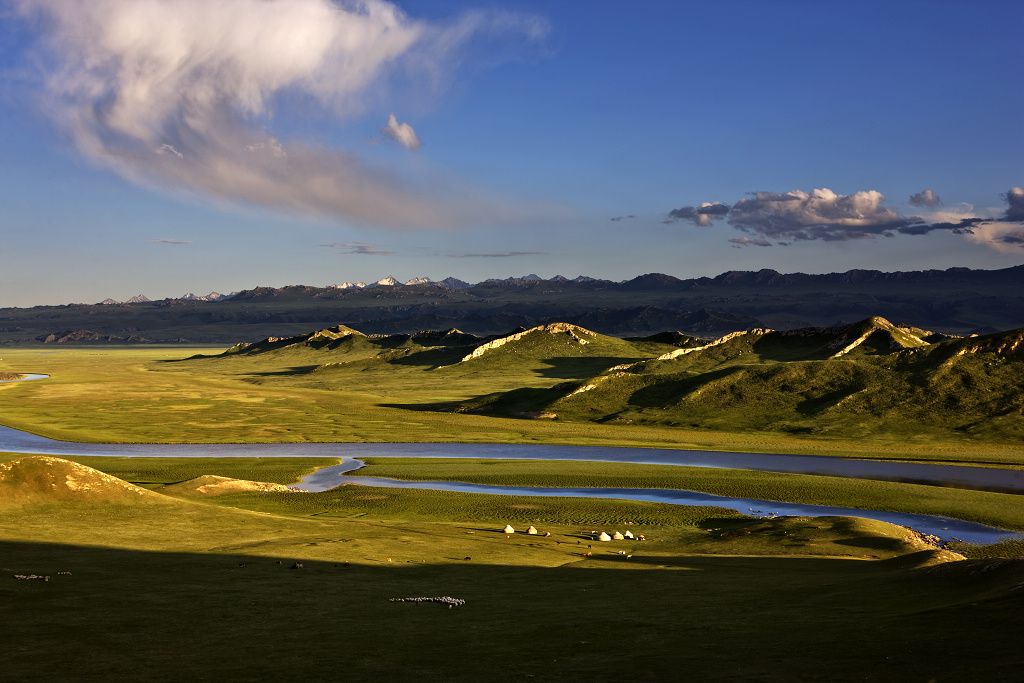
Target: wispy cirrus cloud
{"x":180,"y":95}
{"x":502,"y":254}
{"x":164,"y":240}
{"x":358,"y":248}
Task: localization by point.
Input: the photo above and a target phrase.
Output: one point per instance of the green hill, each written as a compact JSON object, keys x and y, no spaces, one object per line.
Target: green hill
{"x":868,"y":377}
{"x":40,"y":479}
{"x":871,"y":377}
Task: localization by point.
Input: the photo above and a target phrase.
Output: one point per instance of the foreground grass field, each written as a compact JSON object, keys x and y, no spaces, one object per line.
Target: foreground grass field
{"x":158,"y":588}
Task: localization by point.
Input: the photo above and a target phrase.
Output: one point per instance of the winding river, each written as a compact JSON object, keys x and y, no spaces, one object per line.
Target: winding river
{"x":1011,"y":481}
{"x":981,"y":478}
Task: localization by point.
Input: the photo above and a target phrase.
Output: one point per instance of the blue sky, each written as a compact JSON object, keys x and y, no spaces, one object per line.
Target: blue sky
{"x":169,"y":146}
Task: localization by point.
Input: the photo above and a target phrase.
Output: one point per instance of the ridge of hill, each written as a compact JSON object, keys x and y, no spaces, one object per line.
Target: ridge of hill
{"x":866,"y":377}
{"x":334,"y":347}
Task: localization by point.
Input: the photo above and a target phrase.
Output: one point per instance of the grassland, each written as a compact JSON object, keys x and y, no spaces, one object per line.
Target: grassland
{"x":159,"y":589}
{"x":308,"y":394}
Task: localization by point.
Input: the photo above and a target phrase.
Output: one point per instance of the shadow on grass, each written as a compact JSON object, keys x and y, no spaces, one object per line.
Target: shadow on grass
{"x":515,"y":403}
{"x":286,"y":372}
{"x":162,"y":616}
{"x":666,"y":391}
{"x":580,"y":368}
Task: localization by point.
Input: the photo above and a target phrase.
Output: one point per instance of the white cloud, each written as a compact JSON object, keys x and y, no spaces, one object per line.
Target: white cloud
{"x":402,"y":133}
{"x":819,"y":214}
{"x":198,"y":82}
{"x":1007,"y":238}
{"x":825,"y":215}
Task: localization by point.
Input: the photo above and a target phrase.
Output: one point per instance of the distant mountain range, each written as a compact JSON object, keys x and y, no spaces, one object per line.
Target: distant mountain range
{"x":954,"y":301}
{"x":389,"y":281}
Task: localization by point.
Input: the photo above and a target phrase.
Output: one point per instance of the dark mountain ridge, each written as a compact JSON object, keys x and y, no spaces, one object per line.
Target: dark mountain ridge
{"x":953,"y":301}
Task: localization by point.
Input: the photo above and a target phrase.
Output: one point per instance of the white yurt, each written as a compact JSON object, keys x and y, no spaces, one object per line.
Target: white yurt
{"x":604,"y":537}
{"x":532,"y":530}
{"x":617,"y":536}
{"x":509,"y":529}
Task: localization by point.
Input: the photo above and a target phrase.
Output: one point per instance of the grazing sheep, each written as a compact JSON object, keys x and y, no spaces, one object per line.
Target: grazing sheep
{"x":444,"y":600}
{"x":296,"y":565}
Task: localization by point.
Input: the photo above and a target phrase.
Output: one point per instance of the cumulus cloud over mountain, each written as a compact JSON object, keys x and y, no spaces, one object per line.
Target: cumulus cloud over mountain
{"x":826,"y":215}
{"x":819,"y":214}
{"x":180,"y":95}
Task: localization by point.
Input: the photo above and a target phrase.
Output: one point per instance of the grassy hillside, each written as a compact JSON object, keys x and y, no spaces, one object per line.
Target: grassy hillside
{"x":855,"y":381}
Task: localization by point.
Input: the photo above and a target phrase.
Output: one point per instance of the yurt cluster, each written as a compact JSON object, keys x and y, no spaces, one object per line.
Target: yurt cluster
{"x":594,"y":535}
